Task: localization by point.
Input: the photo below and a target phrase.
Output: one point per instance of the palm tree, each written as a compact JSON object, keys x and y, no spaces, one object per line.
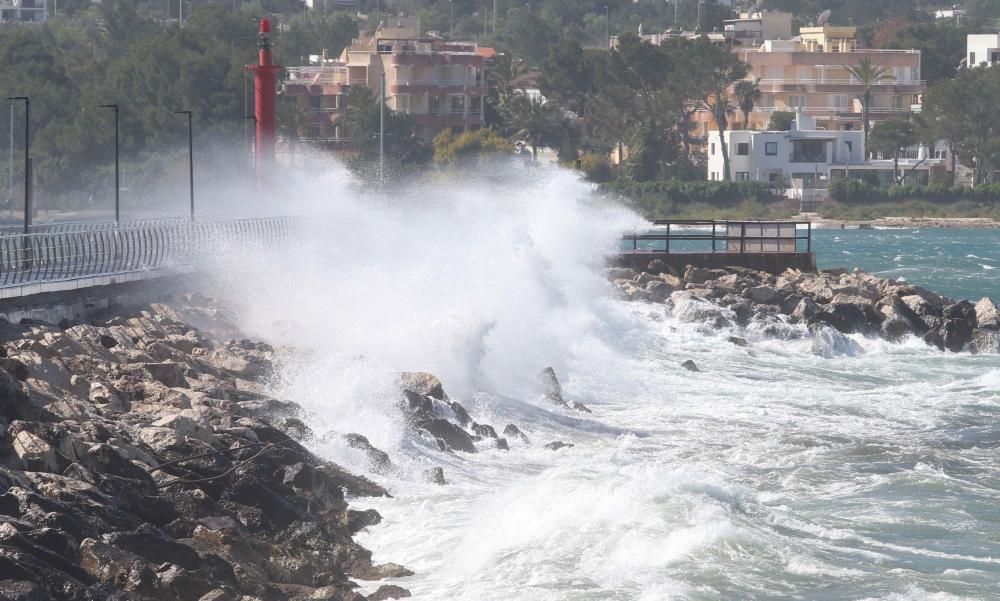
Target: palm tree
{"x":292,"y":118}
{"x":868,"y":75}
{"x":533,"y":120}
{"x":747,"y":93}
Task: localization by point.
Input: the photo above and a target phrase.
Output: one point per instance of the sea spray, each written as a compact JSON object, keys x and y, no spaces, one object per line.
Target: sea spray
{"x":772,"y":473}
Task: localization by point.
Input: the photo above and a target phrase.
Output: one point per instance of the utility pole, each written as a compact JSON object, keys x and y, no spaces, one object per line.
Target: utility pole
{"x":607,"y":25}
{"x":451,"y":19}
{"x":190,"y":157}
{"x":27,"y":160}
{"x":677,"y":6}
{"x":118,"y":180}
{"x":381,"y":130}
{"x":494,"y":17}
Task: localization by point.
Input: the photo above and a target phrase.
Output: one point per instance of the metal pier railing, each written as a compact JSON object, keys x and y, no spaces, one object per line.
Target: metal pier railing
{"x":88,"y":250}
{"x":724,"y":236}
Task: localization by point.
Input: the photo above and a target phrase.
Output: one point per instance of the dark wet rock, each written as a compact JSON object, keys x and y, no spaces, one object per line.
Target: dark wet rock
{"x":963,"y":310}
{"x":690,"y":365}
{"x":738,"y":341}
{"x":461,"y":415}
{"x":118,"y":568}
{"x":558,"y":444}
{"x":550,"y":386}
{"x":453,"y":437}
{"x":484,"y":430}
{"x":501,"y":444}
{"x":956,"y":334}
{"x":389,"y":591}
{"x":435,"y":475}
{"x":418,"y":404}
{"x":578,"y":406}
{"x":512,"y":431}
{"x":378,"y":460}
{"x":22,"y":590}
{"x":296,"y":428}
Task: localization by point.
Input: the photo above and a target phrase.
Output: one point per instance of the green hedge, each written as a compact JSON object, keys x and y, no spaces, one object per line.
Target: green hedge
{"x":678,"y":191}
{"x":676,"y":199}
{"x":845,"y":190}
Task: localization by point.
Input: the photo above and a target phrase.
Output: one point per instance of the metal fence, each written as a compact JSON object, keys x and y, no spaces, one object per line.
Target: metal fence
{"x":724,"y":236}
{"x":73,"y":251}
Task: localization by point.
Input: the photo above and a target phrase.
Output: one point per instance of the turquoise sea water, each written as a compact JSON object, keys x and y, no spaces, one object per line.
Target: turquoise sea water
{"x":961,"y":263}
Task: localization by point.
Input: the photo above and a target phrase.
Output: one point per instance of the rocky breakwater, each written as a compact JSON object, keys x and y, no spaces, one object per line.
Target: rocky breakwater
{"x":823,"y":306}
{"x":136,"y":463}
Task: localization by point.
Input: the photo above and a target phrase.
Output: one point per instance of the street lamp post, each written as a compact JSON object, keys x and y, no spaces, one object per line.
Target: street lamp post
{"x":190,"y":157}
{"x":118,"y":179}
{"x":27,"y":160}
{"x":252,"y":153}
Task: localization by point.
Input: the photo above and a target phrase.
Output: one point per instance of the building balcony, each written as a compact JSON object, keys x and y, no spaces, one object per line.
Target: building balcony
{"x":828,"y":84}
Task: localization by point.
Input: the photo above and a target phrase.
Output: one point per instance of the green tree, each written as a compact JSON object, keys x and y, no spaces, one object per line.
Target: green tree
{"x":533,"y":120}
{"x":450,"y":149}
{"x":869,"y":75}
{"x":889,"y":138}
{"x":941,"y":44}
{"x":718,"y":70}
{"x":781,"y":121}
{"x":747,"y":94}
{"x":962,"y":111}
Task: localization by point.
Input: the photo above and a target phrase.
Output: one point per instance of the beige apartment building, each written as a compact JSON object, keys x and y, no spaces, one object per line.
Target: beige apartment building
{"x":811,"y":72}
{"x":441,"y":83}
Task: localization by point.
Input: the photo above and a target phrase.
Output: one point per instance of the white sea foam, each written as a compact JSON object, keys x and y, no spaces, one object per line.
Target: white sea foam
{"x":822,"y":465}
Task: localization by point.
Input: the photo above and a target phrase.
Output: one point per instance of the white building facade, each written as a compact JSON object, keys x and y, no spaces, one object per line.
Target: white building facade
{"x":23,"y":11}
{"x":982,"y":49}
{"x":803,"y":154}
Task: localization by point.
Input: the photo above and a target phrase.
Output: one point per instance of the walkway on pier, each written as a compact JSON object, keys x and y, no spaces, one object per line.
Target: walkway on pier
{"x":70,"y":256}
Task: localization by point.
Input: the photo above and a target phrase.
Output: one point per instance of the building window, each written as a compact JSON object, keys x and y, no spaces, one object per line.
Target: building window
{"x":475,"y":105}
{"x":850,"y":146}
{"x":771,"y":149}
{"x":402,"y":103}
{"x":742,"y":176}
{"x":972,"y":59}
{"x":940,"y":154}
{"x":458,"y":105}
{"x":316,"y":102}
{"x":711,"y":149}
{"x":897,"y":103}
{"x":838,"y":101}
{"x":314,"y":132}
{"x":795,"y":101}
{"x":434,"y":105}
{"x":775,"y":178}
{"x":995,"y":58}
{"x":743,"y":149}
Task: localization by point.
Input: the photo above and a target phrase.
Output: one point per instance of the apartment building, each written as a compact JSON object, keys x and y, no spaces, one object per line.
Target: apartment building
{"x":810,"y":72}
{"x":23,"y":11}
{"x":441,"y":83}
{"x":754,"y":28}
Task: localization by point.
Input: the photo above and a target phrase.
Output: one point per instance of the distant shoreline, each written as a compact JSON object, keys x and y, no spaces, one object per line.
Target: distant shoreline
{"x":903,"y":222}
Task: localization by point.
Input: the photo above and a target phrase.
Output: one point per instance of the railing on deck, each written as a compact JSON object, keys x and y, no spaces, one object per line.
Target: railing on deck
{"x":71,"y":251}
{"x":724,"y":236}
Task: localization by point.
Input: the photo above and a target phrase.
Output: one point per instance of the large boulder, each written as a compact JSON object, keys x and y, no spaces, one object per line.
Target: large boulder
{"x":987,"y":314}
{"x":448,"y":434}
{"x":956,"y":333}
{"x":423,"y":383}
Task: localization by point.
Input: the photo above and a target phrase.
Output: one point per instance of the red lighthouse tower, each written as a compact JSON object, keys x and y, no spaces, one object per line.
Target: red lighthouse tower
{"x":265,"y":99}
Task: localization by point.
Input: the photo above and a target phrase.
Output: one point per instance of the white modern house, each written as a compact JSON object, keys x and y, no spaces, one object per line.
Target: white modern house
{"x":982,"y":49}
{"x":23,"y":11}
{"x":803,"y":160}
{"x":803,"y":153}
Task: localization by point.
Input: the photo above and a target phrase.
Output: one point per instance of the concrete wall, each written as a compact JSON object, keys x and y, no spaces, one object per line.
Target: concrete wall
{"x":770,"y":262}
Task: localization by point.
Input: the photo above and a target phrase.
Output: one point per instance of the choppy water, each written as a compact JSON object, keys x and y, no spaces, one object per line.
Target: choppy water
{"x":774,"y":473}
{"x":959,"y":263}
